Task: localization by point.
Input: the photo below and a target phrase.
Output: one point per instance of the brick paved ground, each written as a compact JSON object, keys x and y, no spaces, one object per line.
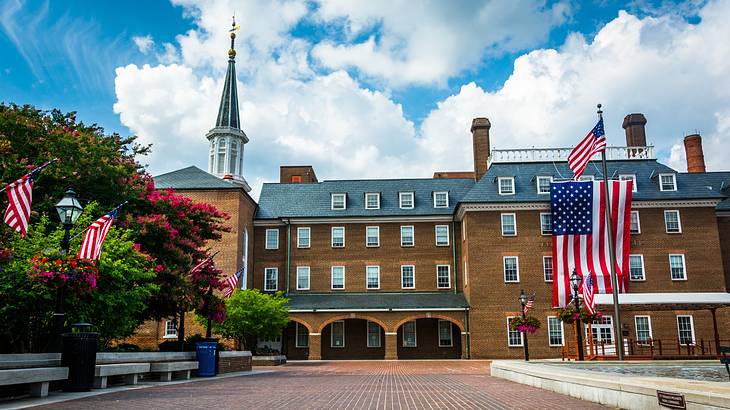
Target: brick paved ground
{"x":344,"y":385}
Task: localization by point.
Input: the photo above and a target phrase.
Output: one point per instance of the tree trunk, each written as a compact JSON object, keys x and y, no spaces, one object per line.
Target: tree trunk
{"x":181,"y":332}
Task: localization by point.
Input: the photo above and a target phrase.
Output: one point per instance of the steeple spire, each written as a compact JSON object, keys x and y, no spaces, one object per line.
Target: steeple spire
{"x":228,"y":115}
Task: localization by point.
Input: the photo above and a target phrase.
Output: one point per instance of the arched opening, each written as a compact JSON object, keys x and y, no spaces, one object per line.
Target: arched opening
{"x":295,"y":341}
{"x":353,"y":339}
{"x":429,"y":338}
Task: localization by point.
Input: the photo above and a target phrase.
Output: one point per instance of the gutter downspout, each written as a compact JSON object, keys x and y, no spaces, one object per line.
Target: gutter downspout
{"x":288,"y":253}
{"x":453,"y":250}
{"x":468,"y":333}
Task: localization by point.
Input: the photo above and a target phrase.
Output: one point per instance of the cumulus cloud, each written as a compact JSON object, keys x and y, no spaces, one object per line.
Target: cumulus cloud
{"x":144,"y":43}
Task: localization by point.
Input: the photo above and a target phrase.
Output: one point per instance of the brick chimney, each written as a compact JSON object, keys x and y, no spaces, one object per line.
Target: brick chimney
{"x":635,"y":132}
{"x":480,"y":139}
{"x":693,"y":150}
{"x":297,"y":174}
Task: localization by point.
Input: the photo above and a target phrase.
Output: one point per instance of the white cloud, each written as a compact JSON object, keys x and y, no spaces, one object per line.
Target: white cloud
{"x":144,"y":43}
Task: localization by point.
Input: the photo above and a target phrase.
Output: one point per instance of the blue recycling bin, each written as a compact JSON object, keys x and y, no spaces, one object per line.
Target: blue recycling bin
{"x":205,"y":352}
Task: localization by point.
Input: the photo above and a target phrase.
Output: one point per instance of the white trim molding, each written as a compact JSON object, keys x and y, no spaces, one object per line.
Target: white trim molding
{"x":665,"y":298}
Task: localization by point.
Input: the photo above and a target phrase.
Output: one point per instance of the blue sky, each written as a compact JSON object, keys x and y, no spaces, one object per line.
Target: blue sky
{"x":295,"y":56}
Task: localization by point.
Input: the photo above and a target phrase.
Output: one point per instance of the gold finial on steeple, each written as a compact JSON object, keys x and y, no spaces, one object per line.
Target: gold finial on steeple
{"x":234,"y":27}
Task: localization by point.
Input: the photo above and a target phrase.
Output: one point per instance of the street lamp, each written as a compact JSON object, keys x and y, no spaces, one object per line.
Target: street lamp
{"x":575,"y":281}
{"x":523,"y":302}
{"x":69,"y":209}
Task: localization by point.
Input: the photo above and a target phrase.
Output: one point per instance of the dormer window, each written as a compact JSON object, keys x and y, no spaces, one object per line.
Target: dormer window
{"x":441,"y":199}
{"x":543,"y":185}
{"x":405,"y":200}
{"x":667,"y":182}
{"x":506,"y":185}
{"x":629,"y":177}
{"x":372,"y":200}
{"x":339,"y":201}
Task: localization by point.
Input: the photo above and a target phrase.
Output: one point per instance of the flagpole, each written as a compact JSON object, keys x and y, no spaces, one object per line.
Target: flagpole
{"x":36,"y":169}
{"x":612,"y":252}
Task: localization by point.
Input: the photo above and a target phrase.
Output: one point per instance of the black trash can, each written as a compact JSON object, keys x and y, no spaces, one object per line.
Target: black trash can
{"x":79,"y":355}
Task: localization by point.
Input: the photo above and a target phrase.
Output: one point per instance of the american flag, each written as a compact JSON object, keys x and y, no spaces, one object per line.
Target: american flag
{"x":580,"y":235}
{"x":592,"y":144}
{"x":232,"y":282}
{"x":95,"y":235}
{"x":20,"y":198}
{"x":587,"y":290}
{"x":530,"y":303}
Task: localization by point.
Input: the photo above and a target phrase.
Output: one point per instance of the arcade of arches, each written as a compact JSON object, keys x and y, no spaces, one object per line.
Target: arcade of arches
{"x":376,"y":335}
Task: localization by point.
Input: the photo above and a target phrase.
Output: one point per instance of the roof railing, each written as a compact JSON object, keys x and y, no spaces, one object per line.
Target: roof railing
{"x":561,"y":154}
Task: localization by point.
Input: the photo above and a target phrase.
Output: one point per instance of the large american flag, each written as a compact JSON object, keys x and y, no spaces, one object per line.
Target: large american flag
{"x":592,"y":144}
{"x":20,"y":198}
{"x":580,"y":235}
{"x":588,"y":291}
{"x":95,"y":235}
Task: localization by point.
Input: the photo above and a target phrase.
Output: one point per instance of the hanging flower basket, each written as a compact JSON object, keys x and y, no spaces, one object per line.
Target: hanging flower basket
{"x":528,"y":324}
{"x":568,"y":315}
{"x":76,"y":275}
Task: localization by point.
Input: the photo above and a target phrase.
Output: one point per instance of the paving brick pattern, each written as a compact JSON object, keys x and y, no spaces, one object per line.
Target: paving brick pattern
{"x":344,"y":385}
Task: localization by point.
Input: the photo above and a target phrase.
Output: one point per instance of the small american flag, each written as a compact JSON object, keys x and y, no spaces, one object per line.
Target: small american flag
{"x":530,"y":303}
{"x":232,"y":282}
{"x":202,"y":264}
{"x":588,"y":291}
{"x":592,"y":144}
{"x":20,"y":198}
{"x":95,"y":235}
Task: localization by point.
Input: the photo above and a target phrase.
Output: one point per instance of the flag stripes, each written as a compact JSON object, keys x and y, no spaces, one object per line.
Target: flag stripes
{"x":20,"y":198}
{"x":592,"y":144}
{"x":95,"y":236}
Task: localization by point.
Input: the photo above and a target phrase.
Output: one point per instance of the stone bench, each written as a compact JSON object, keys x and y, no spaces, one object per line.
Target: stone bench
{"x":38,"y":378}
{"x":167,"y":368}
{"x":130,"y":371}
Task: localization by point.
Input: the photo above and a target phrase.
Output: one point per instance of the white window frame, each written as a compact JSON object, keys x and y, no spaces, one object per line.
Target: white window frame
{"x":332,"y":334}
{"x":674,"y":182}
{"x":169,"y":335}
{"x":636,"y":329}
{"x":332,"y":237}
{"x":377,"y":195}
{"x":562,"y":332}
{"x":367,"y":268}
{"x":309,"y":238}
{"x":504,"y":268}
{"x":501,"y":220}
{"x":522,"y":336}
{"x":413,"y":267}
{"x":542,"y":232}
{"x":332,"y":277}
{"x":499,"y":185}
{"x":435,"y":194}
{"x":413,"y":236}
{"x":448,"y":276}
{"x":544,"y":267}
{"x":692,"y":328}
{"x":377,"y":229}
{"x":638,"y":223}
{"x":466,"y":272}
{"x":436,"y":235}
{"x":632,"y":177}
{"x":344,"y":201}
{"x":643,"y":269}
{"x":296,"y":336}
{"x":367,"y":334}
{"x":684,"y":267}
{"x":451,"y":333}
{"x":302,"y":270}
{"x":413,"y":200}
{"x":266,"y":239}
{"x":679,"y":221}
{"x":276,"y":279}
{"x":537,"y":184}
{"x":415,"y":334}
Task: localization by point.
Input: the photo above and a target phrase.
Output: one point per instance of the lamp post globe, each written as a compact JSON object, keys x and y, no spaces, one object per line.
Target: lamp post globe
{"x":523,"y":301}
{"x":575,"y":281}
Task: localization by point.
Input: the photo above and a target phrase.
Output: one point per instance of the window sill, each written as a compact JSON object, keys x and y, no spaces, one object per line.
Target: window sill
{"x":169,"y":337}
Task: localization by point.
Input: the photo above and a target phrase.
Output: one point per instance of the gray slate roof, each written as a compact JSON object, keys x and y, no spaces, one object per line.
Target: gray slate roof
{"x":191,"y":177}
{"x":314,"y":200}
{"x":378,"y":300}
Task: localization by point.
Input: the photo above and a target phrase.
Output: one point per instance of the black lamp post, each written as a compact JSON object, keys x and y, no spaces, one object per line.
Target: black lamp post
{"x":575,"y":281}
{"x":69,"y":209}
{"x":523,"y":302}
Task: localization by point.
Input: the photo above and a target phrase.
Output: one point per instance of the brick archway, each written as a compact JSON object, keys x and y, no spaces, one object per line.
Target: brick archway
{"x":352,"y":316}
{"x":458,"y":323}
{"x":309,"y":327}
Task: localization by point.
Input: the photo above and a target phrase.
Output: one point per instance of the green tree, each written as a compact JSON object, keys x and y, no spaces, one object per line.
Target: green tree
{"x":252,"y":315}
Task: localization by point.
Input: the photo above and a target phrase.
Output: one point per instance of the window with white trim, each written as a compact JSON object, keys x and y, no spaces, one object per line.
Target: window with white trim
{"x":373,"y":334}
{"x":602,"y":330}
{"x":338,"y":277}
{"x":667,"y":182}
{"x":271,"y":279}
{"x":506,"y":185}
{"x":442,"y":235}
{"x":409,"y":334}
{"x":372,"y":277}
{"x":635,"y":222}
{"x":636,"y":268}
{"x":338,"y":236}
{"x":408,"y":277}
{"x":677,"y":266}
{"x":406,"y":200}
{"x":302,"y":336}
{"x":546,"y":223}
{"x":406,"y":235}
{"x":441,"y":199}
{"x":672,"y":222}
{"x":643,"y":328}
{"x":555,"y":331}
{"x":509,"y":224}
{"x":372,"y":236}
{"x":629,"y":177}
{"x":446,"y":334}
{"x":685,"y":329}
{"x":547,"y":268}
{"x":372,"y":200}
{"x":303,"y":236}
{"x":339,"y":201}
{"x":511,"y":269}
{"x":514,"y":337}
{"x":443,"y":276}
{"x":170,"y":329}
{"x":337,"y":333}
{"x":543,"y":184}
{"x":272,"y":239}
{"x":302,"y":277}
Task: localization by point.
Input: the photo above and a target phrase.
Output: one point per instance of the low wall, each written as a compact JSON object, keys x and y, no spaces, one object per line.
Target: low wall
{"x":269,"y":360}
{"x":234,"y":361}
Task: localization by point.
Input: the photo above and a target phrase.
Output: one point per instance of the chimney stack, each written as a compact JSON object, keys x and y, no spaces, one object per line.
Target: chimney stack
{"x":693,"y":150}
{"x":480,"y":139}
{"x":635,"y":132}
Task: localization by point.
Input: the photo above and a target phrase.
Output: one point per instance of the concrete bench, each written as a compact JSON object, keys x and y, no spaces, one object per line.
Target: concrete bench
{"x":38,"y":378}
{"x":167,"y":368}
{"x":24,"y":360}
{"x":130,"y":371}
